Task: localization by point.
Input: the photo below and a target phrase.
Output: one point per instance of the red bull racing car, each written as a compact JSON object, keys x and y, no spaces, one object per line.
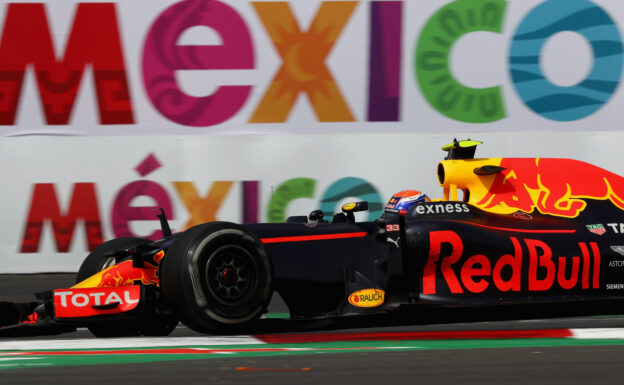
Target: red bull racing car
{"x":507,"y":231}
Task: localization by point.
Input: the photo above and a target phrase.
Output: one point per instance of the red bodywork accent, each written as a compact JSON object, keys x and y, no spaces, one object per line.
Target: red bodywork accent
{"x":304,"y":238}
{"x":124,"y":274}
{"x":32,"y":319}
{"x":531,"y":231}
{"x":552,"y":186}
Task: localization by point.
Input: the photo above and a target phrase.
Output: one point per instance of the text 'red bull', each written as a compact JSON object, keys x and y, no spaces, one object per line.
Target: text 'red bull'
{"x":553,"y":186}
{"x":478,"y":272}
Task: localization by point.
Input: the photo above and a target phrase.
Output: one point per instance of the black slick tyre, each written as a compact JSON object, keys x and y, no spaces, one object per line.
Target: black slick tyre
{"x":217,"y":277}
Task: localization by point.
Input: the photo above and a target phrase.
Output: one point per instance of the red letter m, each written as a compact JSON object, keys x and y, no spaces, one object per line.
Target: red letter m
{"x":94,"y":40}
{"x":44,"y":206}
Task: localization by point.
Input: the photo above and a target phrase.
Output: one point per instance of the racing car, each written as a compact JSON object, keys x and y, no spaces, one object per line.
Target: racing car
{"x":507,"y":231}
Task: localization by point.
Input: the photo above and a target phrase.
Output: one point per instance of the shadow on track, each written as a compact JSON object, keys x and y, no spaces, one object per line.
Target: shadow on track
{"x":549,"y":316}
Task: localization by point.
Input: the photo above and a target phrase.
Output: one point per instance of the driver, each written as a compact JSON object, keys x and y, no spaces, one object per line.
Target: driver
{"x":403,"y":200}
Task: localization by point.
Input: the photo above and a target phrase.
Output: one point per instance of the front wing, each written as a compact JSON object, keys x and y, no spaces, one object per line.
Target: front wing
{"x":64,"y":310}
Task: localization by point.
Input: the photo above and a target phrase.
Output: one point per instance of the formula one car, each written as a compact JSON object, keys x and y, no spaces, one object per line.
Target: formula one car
{"x":507,"y":231}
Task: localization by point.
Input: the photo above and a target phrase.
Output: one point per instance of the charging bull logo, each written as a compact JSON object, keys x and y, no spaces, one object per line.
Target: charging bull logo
{"x":125,"y":274}
{"x":553,"y":186}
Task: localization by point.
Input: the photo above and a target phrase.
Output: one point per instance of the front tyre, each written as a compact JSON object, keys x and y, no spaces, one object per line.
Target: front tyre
{"x":217,"y":276}
{"x":100,"y":259}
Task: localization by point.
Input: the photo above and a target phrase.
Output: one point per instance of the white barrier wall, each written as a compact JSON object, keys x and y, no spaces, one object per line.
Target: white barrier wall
{"x":62,"y":194}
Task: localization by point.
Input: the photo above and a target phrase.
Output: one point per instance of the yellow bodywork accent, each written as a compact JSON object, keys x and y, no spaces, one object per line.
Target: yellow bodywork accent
{"x":123,"y":274}
{"x":461,"y":144}
{"x":459,"y":175}
{"x":348,"y":206}
{"x":92,"y":281}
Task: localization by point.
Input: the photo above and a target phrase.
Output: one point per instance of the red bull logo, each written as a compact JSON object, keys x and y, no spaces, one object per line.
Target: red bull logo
{"x":552,"y":186}
{"x":124,"y":274}
{"x":461,"y":273}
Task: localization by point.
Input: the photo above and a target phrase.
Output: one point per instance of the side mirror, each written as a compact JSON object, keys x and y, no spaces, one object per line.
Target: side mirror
{"x":354,"y":207}
{"x":316,"y":216}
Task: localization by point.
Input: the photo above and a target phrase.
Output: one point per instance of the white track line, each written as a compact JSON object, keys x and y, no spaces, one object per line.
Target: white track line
{"x":20,"y":358}
{"x":20,"y":365}
{"x":602,"y":334}
{"x":137,"y":342}
{"x":105,"y":343}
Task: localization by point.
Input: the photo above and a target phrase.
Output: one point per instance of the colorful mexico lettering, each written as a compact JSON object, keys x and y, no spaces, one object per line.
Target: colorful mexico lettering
{"x":483,"y":105}
{"x":85,"y":207}
{"x":95,"y":40}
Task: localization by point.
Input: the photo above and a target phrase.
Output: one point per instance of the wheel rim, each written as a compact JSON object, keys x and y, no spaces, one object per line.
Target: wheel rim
{"x":230,"y":275}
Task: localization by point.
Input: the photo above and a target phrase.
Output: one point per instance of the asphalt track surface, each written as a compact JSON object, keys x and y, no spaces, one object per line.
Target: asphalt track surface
{"x":498,"y":363}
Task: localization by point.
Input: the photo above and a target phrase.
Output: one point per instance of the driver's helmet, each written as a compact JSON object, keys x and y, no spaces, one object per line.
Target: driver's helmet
{"x":403,"y":200}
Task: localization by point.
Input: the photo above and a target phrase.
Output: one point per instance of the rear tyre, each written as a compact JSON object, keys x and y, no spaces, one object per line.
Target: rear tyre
{"x":217,"y":277}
